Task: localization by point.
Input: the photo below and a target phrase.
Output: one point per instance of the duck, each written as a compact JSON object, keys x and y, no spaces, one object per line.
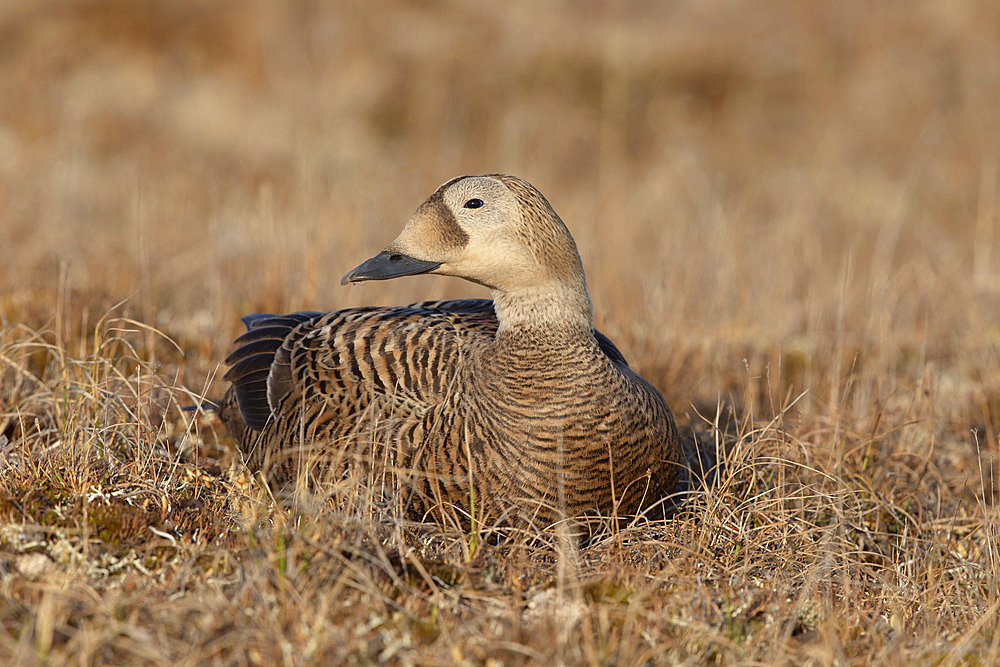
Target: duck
{"x":512,"y":410}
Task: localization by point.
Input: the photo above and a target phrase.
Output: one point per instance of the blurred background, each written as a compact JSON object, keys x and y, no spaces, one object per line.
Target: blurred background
{"x":812,"y":184}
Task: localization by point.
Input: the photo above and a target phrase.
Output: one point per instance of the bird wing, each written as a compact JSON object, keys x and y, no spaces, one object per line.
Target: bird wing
{"x":356,"y":355}
{"x":407,"y":352}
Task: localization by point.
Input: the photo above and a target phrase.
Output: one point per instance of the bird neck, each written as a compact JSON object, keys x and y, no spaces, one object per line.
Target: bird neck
{"x":556,"y":306}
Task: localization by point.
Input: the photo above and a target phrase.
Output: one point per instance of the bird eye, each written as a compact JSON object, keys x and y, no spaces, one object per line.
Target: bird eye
{"x":474,"y":203}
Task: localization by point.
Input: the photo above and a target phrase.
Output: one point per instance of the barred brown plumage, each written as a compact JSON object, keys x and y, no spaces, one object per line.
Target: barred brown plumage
{"x":517,"y":405}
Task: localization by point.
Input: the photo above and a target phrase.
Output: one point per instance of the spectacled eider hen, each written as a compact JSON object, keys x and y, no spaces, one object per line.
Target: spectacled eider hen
{"x":507,"y":410}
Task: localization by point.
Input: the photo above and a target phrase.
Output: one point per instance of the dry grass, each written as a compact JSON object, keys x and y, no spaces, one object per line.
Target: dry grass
{"x":790,"y":218}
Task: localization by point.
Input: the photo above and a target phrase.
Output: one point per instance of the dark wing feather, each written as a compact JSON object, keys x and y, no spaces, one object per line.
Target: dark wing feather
{"x":610,"y":350}
{"x":484,"y":306}
{"x":252,"y":358}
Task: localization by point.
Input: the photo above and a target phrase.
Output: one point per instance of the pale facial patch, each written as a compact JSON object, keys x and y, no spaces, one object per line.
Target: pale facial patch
{"x":499,"y":206}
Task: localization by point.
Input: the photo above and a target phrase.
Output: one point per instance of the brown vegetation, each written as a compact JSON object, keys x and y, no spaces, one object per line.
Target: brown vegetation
{"x":789,"y":214}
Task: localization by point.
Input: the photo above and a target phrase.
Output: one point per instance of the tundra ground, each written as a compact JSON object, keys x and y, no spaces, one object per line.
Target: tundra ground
{"x":789,"y":215}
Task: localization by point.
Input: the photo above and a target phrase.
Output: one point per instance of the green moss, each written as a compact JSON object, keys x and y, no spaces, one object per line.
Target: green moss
{"x":607,"y":590}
